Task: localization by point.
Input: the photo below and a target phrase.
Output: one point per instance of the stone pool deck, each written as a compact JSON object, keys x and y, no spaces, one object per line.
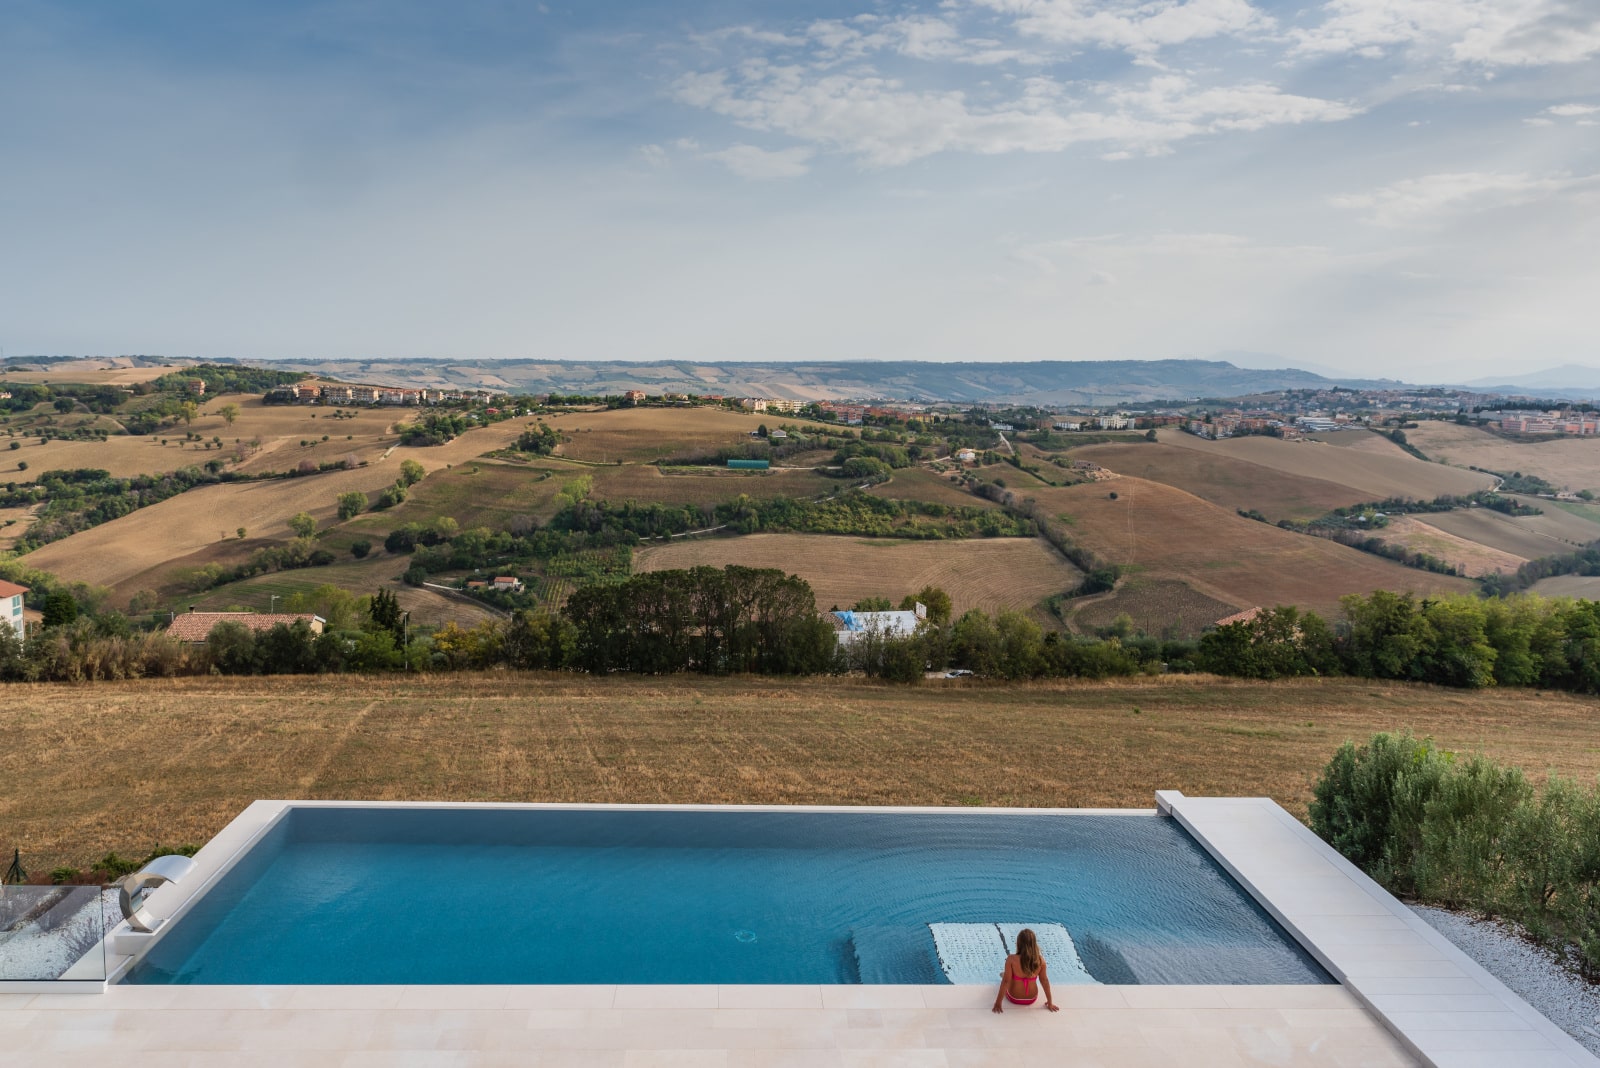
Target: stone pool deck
{"x":640,"y":1026}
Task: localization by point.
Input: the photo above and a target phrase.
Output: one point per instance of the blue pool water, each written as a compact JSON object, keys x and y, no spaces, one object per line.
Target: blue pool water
{"x":346,"y":895}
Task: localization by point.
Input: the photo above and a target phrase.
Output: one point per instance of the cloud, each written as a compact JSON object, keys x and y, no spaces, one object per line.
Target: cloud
{"x":885,"y":123}
{"x":1518,"y":33}
{"x":922,"y":37}
{"x":1416,"y":200}
{"x":1573,"y":110}
{"x":1140,"y":28}
{"x":748,"y":161}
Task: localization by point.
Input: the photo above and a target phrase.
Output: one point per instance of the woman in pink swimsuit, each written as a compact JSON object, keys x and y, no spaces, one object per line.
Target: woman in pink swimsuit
{"x":1025,"y":973}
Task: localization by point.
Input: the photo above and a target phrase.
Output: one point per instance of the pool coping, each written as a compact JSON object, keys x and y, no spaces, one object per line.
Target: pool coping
{"x":1441,"y":1004}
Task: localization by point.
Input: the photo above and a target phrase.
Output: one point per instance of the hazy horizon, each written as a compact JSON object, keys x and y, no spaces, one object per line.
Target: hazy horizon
{"x":1367,"y":188}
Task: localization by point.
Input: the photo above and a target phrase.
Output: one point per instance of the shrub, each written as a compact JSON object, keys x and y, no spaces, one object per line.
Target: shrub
{"x":360,"y":549}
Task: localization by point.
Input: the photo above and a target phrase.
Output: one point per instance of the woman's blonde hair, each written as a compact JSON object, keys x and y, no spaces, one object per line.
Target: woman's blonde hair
{"x":1028,"y":960}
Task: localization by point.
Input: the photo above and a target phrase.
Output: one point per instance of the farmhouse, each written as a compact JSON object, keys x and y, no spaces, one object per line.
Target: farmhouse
{"x":634,"y":396}
{"x":851,"y":625}
{"x":194,"y":627}
{"x":966,"y":456}
{"x":11,"y":607}
{"x":506,"y":583}
{"x":1238,"y":617}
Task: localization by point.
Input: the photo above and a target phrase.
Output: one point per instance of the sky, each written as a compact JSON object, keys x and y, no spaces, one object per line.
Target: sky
{"x":1396,"y":188}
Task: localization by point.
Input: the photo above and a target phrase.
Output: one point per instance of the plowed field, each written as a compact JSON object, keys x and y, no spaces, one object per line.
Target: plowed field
{"x":987,"y":573}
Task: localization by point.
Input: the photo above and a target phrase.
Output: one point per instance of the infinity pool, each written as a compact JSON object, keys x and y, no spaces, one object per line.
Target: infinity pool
{"x":473,"y":895}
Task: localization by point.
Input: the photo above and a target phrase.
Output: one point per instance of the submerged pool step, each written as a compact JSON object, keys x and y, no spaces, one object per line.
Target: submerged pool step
{"x":976,"y":952}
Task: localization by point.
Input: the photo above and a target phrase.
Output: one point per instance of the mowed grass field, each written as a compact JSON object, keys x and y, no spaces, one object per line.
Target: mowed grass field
{"x":1572,"y":463}
{"x":124,"y":766}
{"x":1162,"y":532}
{"x":1364,"y":462}
{"x":1225,"y":480}
{"x":988,"y":573}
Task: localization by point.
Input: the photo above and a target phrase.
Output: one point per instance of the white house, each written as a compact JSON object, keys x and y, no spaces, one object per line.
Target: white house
{"x":11,"y":606}
{"x":852,"y":625}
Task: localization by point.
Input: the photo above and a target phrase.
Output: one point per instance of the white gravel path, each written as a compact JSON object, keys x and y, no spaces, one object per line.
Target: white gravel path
{"x":1566,"y":1000}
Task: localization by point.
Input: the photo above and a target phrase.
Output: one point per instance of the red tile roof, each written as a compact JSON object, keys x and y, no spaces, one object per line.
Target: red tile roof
{"x":11,"y":589}
{"x":1239,"y":617}
{"x":196,"y":626}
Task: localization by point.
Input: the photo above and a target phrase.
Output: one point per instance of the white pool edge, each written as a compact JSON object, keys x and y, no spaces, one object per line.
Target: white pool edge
{"x":1452,"y":1017}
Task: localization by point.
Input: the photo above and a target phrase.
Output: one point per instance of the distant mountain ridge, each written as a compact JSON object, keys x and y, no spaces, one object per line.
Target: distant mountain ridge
{"x":1568,"y":380}
{"x":1052,"y":382}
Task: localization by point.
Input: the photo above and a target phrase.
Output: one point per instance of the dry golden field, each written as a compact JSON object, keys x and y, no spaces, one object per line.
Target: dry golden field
{"x":123,"y":766}
{"x":1473,"y":558}
{"x":1572,"y":463}
{"x":91,"y":372}
{"x":1526,"y":536}
{"x":1225,"y":480}
{"x":121,"y":551}
{"x":644,"y":435}
{"x":987,"y":573}
{"x":1364,"y":462}
{"x":1586,"y":587}
{"x":1162,"y":532}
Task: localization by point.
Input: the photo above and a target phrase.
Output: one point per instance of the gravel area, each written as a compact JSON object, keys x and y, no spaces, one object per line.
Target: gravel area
{"x":1570,"y":1003}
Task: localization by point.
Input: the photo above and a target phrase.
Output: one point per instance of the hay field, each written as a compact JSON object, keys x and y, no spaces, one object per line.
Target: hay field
{"x":1367,"y":464}
{"x":988,"y":573}
{"x":1473,"y":558}
{"x":107,"y":372}
{"x":1521,"y":536}
{"x":1584,"y":587}
{"x":1166,"y":533}
{"x":1225,"y":480}
{"x":644,"y":435}
{"x":121,"y":766}
{"x":1572,"y":463}
{"x":123,"y":549}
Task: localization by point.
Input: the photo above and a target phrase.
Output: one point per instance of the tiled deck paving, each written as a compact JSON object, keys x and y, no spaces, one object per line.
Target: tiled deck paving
{"x":633,"y":1026}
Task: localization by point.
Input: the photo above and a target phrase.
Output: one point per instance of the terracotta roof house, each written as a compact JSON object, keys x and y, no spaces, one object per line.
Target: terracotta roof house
{"x":1238,"y":617}
{"x":11,"y":607}
{"x":194,"y":627}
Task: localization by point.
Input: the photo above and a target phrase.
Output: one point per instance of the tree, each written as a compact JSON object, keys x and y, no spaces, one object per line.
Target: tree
{"x":187,"y":411}
{"x":229,"y":413}
{"x":761,"y":431}
{"x":22,"y":465}
{"x":411,"y":472}
{"x":384,"y":610}
{"x":303,"y":525}
{"x":360,"y":549}
{"x":59,"y":609}
{"x":935,"y":600}
{"x":16,"y":445}
{"x":351,"y":504}
{"x":241,"y":532}
{"x":1150,"y":435}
